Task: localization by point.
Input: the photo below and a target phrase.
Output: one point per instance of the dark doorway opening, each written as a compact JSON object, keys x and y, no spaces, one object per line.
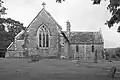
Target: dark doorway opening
{"x":2,"y":53}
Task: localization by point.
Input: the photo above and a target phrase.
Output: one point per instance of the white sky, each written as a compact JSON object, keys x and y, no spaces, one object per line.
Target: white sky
{"x":81,"y":13}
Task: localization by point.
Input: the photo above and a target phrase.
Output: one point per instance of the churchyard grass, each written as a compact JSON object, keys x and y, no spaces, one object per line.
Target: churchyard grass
{"x":52,"y":69}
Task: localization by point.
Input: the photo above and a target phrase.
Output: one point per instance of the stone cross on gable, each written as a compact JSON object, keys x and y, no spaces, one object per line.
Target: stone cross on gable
{"x":43,"y":4}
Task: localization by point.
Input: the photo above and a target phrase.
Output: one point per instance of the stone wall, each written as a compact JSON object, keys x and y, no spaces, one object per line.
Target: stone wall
{"x":45,"y":19}
{"x":85,"y":51}
{"x":15,"y":50}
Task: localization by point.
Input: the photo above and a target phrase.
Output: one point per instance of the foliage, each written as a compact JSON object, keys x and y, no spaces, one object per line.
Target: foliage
{"x":113,"y":7}
{"x":14,"y":27}
{"x":2,"y":8}
{"x":110,"y":55}
{"x":96,"y":1}
{"x":59,"y":1}
{"x":9,"y":28}
{"x":117,"y":51}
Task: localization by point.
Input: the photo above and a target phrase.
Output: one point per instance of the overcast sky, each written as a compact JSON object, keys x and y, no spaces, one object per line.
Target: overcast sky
{"x":81,"y":13}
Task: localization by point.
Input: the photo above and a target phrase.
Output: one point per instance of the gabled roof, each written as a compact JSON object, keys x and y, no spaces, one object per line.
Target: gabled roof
{"x":64,"y":35}
{"x":43,"y":10}
{"x":11,"y":47}
{"x":20,"y":35}
{"x":85,"y":37}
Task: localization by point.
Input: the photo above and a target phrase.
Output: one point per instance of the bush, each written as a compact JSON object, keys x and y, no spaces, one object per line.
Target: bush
{"x":118,"y":55}
{"x":113,"y":56}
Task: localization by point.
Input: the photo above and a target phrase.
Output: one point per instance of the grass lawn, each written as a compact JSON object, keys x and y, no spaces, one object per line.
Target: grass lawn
{"x":13,"y":69}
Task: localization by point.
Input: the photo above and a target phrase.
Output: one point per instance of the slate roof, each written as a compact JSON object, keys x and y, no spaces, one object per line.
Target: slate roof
{"x":85,"y":37}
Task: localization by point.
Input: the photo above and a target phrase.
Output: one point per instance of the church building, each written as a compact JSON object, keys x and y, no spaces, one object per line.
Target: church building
{"x":46,"y":38}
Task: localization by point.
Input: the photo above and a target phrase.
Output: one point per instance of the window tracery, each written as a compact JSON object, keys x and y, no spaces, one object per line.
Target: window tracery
{"x":43,"y":41}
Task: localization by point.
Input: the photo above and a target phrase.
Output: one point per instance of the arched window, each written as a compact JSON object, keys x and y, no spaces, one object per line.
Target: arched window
{"x":40,"y":45}
{"x":77,"y":48}
{"x":92,"y":48}
{"x":47,"y":40}
{"x":43,"y":41}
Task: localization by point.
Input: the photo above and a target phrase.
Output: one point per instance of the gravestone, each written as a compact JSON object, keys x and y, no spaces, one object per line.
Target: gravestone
{"x":112,"y":72}
{"x":34,"y":58}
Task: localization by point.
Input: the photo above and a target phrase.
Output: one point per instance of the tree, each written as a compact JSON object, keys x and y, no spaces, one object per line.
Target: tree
{"x":59,"y":1}
{"x":2,"y":8}
{"x":114,"y":9}
{"x":117,"y":51}
{"x":9,"y":28}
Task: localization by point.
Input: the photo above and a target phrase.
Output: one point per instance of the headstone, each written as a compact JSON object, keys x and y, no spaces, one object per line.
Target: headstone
{"x":34,"y":58}
{"x":112,"y":72}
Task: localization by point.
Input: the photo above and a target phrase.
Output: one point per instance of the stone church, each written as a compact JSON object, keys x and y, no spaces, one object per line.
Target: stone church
{"x":46,"y":38}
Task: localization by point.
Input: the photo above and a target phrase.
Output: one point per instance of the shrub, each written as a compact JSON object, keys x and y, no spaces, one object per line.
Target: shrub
{"x":118,"y":55}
